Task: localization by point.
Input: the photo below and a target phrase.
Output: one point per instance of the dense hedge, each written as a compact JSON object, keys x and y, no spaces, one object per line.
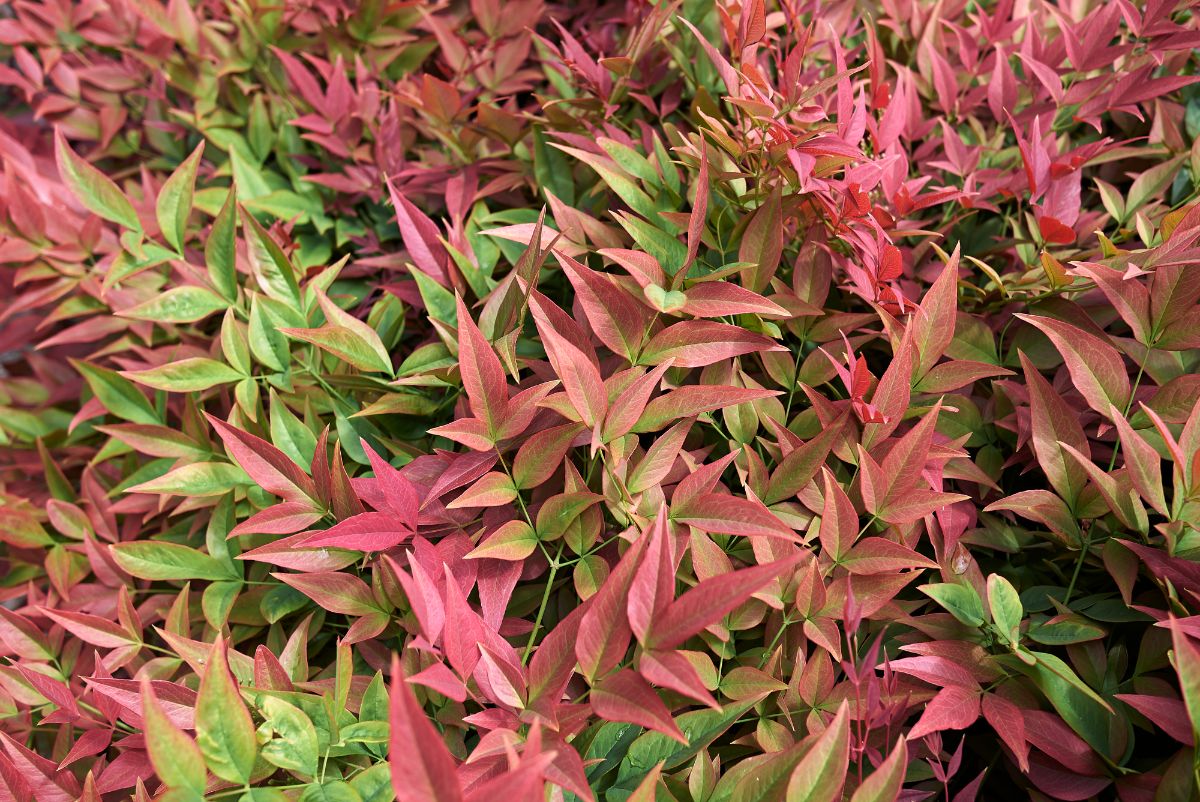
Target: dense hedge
{"x":696,"y":401}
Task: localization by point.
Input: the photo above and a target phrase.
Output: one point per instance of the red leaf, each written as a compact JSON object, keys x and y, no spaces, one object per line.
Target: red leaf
{"x":954,"y":708}
{"x":720,"y":298}
{"x":367,"y":531}
{"x":876,"y":555}
{"x":334,"y":591}
{"x":695,"y":343}
{"x":1165,"y":712}
{"x":1096,"y":367}
{"x":579,"y":375}
{"x":711,"y":600}
{"x":617,"y":318}
{"x":273,"y":470}
{"x":604,"y":632}
{"x":627,"y":697}
{"x":721,"y":513}
{"x":692,"y":400}
{"x":422,"y":767}
{"x":1005,"y":718}
{"x":482,"y":375}
{"x":421,"y":238}
{"x":699,"y":213}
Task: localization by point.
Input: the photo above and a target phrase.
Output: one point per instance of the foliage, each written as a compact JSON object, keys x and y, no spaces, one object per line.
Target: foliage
{"x":599,"y":401}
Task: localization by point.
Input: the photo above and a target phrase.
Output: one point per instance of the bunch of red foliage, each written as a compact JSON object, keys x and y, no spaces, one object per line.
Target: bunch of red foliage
{"x":699,"y":400}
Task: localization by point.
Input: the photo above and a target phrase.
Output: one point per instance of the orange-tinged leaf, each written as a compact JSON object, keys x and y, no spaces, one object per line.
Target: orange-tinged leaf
{"x":95,"y":190}
{"x":1096,"y":367}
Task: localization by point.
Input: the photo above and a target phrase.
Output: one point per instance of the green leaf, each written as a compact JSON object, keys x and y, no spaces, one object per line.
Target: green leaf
{"x":273,"y":270}
{"x":93,"y":188}
{"x":700,"y":728}
{"x":347,"y":338}
{"x":117,"y":394}
{"x":224,"y":730}
{"x":1006,"y":607}
{"x":335,"y":791}
{"x":883,"y":785}
{"x":175,"y":756}
{"x":1186,"y":659}
{"x":820,"y":774}
{"x":177,"y":305}
{"x":150,"y":559}
{"x":220,"y":250}
{"x":1081,"y":708}
{"x":217,"y":601}
{"x":197,"y":479}
{"x":374,"y":784}
{"x":669,"y":251}
{"x":175,"y":200}
{"x":290,"y":435}
{"x":961,"y":601}
{"x":186,"y":376}
{"x":268,"y":345}
{"x":439,"y":301}
{"x":294,"y":742}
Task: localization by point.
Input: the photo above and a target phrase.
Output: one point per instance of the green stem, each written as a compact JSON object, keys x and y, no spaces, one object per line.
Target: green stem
{"x":537,"y":622}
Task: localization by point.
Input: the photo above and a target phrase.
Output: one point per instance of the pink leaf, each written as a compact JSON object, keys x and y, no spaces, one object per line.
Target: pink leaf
{"x":422,"y":767}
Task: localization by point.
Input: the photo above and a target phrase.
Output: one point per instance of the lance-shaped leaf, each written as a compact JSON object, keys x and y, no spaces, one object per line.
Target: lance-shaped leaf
{"x":579,"y":375}
{"x":659,"y":458}
{"x":711,"y":600}
{"x":696,"y":343}
{"x":346,"y":337}
{"x":877,"y":555}
{"x":421,"y":237}
{"x":174,"y":202}
{"x":176,"y":758}
{"x":618,"y":320}
{"x":699,"y":213}
{"x":933,"y":323}
{"x":1143,"y":462}
{"x":625,"y":696}
{"x":821,"y":773}
{"x":224,"y":731}
{"x":762,"y":242}
{"x":93,"y":188}
{"x":722,"y":299}
{"x":186,"y":304}
{"x":482,"y":375}
{"x":1052,"y":421}
{"x":272,"y":269}
{"x":1186,"y":659}
{"x":721,"y":513}
{"x":190,"y":375}
{"x":604,"y":632}
{"x":953,"y":708}
{"x":422,"y":767}
{"x":839,"y":521}
{"x":118,"y":395}
{"x":273,"y":470}
{"x":627,"y":408}
{"x":883,"y":784}
{"x":691,"y":400}
{"x":1096,"y":367}
{"x":333,"y":591}
{"x":802,"y":464}
{"x":220,"y":249}
{"x":367,"y":531}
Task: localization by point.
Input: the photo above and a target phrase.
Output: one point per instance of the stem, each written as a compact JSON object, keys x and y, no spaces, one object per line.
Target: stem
{"x":1087,"y":545}
{"x":537,"y":622}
